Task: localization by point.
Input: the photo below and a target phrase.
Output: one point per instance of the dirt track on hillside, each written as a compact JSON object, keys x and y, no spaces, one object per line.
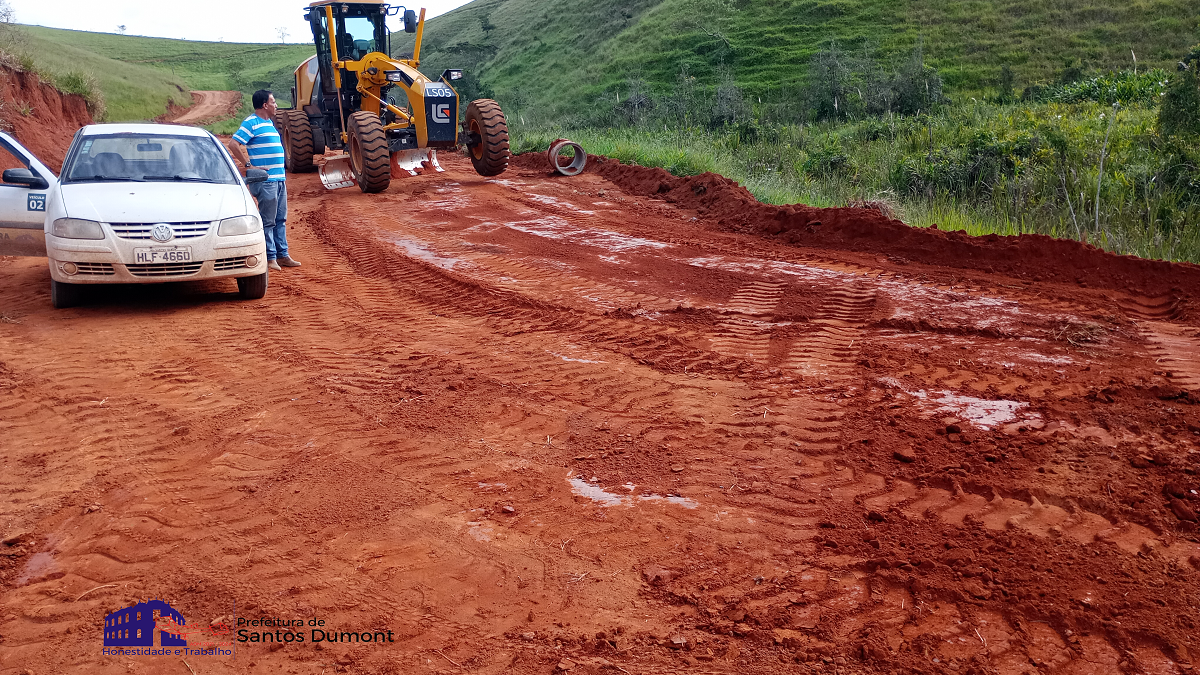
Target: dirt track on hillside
{"x":535,"y":424}
{"x":207,"y":107}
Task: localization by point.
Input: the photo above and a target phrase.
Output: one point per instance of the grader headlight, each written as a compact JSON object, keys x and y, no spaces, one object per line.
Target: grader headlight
{"x":397,"y":76}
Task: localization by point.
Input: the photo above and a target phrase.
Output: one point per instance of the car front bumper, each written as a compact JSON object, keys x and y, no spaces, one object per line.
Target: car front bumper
{"x":96,"y":262}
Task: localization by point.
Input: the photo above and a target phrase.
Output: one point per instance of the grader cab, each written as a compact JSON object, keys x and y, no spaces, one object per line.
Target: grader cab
{"x":379,"y":115}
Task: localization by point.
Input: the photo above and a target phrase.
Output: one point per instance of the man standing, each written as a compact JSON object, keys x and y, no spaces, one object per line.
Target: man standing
{"x":256,"y":144}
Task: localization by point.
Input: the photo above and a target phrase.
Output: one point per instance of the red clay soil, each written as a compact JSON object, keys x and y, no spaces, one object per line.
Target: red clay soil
{"x":1030,"y":256}
{"x":538,"y":424}
{"x":53,"y":117}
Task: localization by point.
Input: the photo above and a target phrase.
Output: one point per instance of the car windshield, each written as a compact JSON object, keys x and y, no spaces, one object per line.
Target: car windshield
{"x":148,"y":158}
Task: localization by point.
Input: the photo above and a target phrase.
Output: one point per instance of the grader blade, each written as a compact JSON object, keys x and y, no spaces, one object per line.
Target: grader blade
{"x":413,"y":162}
{"x":336,"y":172}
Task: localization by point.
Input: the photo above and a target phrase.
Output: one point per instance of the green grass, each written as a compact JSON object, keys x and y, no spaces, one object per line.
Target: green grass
{"x":138,"y":75}
{"x":551,"y":59}
{"x":982,"y":168}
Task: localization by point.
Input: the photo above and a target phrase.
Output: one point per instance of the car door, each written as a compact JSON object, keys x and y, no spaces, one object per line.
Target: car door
{"x":24,"y":185}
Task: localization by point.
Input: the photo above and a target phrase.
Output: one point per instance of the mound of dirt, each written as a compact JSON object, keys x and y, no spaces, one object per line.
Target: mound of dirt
{"x":52,"y":117}
{"x":1029,"y":256}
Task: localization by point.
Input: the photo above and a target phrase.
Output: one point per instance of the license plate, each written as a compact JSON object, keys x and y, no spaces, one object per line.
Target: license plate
{"x":162,"y":254}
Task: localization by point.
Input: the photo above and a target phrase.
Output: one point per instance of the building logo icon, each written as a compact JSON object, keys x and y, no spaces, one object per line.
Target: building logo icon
{"x":135,"y":626}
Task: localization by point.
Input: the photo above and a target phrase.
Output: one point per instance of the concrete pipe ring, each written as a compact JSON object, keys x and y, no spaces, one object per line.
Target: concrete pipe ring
{"x":572,"y":168}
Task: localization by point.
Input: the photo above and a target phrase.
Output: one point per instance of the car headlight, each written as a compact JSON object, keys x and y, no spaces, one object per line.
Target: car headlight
{"x":240,"y":225}
{"x":76,"y":228}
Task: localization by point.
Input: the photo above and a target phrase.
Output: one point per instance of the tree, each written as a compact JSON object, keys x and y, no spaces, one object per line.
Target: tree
{"x":485,"y":24}
{"x":8,"y":29}
{"x":121,"y":29}
{"x":282,"y":33}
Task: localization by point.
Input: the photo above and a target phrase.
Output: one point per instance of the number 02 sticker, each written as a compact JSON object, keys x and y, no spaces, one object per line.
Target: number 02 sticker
{"x":36,"y":203}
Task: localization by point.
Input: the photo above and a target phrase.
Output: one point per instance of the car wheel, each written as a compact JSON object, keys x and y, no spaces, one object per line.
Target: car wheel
{"x":253,"y":288}
{"x":64,"y":295}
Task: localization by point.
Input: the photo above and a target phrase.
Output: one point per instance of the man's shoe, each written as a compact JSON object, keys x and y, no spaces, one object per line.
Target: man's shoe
{"x":273,"y":265}
{"x":287,"y":262}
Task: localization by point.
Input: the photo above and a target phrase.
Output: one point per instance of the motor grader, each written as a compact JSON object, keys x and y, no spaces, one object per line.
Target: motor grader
{"x":379,"y":114}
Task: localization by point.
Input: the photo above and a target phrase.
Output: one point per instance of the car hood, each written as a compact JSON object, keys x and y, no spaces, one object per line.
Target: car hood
{"x":155,"y":202}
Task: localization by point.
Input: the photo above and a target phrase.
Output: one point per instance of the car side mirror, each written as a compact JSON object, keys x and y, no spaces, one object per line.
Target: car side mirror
{"x":255,"y":176}
{"x":410,"y":21}
{"x":25,"y":177}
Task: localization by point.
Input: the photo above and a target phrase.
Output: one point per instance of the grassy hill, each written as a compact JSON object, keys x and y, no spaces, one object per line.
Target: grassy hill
{"x":137,"y":75}
{"x":565,"y":54}
{"x":547,"y":59}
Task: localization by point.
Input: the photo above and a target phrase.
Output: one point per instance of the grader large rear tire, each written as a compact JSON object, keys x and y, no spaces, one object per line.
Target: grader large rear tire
{"x":369,"y":155}
{"x":490,"y":156}
{"x":297,"y":137}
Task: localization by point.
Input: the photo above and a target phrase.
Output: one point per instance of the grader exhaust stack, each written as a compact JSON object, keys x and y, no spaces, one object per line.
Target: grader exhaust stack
{"x":362,"y":117}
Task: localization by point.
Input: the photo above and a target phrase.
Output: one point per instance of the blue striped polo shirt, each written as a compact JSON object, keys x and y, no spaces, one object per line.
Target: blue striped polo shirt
{"x":262,"y":143}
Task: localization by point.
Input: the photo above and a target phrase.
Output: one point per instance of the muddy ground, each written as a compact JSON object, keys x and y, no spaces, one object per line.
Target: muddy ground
{"x":538,"y":424}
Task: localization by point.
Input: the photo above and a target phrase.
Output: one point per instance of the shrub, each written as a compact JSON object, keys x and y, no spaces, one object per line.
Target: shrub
{"x":85,"y":85}
{"x":827,"y":161}
{"x":1180,"y":111}
{"x":1125,"y":87}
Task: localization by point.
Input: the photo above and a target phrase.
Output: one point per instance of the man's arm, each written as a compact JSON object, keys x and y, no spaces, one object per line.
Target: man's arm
{"x":240,"y":155}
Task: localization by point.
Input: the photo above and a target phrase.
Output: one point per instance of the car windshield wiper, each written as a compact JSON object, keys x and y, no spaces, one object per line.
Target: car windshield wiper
{"x":194,"y":179}
{"x":99,"y":177}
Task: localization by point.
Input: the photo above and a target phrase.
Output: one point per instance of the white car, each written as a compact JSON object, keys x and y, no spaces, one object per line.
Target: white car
{"x":136,"y":203}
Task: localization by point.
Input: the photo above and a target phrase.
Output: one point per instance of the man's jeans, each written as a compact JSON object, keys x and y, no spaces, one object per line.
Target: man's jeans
{"x":272,"y":206}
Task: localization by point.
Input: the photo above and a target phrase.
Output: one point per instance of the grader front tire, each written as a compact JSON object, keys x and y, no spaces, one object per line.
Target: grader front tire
{"x":369,"y":155}
{"x":297,"y":142}
{"x":485,"y":119}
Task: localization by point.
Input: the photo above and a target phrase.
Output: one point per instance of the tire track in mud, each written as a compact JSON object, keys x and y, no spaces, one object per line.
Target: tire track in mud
{"x":828,"y":351}
{"x":343,"y":402}
{"x":744,"y":332}
{"x":1176,"y":350}
{"x":527,"y":279}
{"x":829,"y":598}
{"x":506,"y":312}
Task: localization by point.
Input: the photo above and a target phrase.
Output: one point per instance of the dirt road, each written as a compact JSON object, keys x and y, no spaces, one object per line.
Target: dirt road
{"x":207,"y":106}
{"x":535,"y":425}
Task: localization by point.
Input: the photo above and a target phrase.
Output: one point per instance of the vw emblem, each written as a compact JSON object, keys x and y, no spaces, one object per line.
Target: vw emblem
{"x":162,"y":232}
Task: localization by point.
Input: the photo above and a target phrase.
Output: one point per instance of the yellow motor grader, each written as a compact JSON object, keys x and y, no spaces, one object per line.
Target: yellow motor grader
{"x":385,"y":117}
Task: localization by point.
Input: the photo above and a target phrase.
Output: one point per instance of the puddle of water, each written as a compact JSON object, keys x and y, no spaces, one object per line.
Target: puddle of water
{"x":595,"y":493}
{"x":567,"y":358}
{"x":599,"y":495}
{"x":418,"y":250}
{"x":760,"y":266}
{"x":1042,"y":358}
{"x":981,"y":412}
{"x":671,"y":499}
{"x":546,"y":199}
{"x":38,"y":565}
{"x":479,"y":531}
{"x":553,"y":227}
